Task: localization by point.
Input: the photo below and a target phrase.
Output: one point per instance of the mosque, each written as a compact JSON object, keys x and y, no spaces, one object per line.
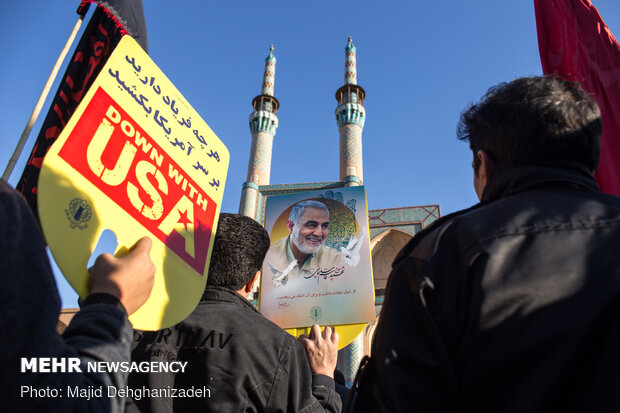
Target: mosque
{"x":390,"y":229}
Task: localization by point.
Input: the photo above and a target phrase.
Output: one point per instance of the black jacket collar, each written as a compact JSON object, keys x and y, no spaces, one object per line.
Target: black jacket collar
{"x":223,"y":294}
{"x":511,"y":181}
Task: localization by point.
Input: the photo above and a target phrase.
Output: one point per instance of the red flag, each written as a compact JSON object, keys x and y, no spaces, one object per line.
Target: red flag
{"x":575,"y":43}
{"x":105,"y":29}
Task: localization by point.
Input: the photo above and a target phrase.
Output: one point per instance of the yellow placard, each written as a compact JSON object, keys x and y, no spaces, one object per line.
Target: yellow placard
{"x":346,"y":332}
{"x":136,"y":158}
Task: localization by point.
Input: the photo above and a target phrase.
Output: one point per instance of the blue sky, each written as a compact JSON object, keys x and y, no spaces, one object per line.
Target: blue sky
{"x":420,"y":63}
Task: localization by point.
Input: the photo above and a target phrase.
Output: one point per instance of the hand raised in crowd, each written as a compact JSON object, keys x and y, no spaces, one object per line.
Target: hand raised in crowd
{"x":129,"y":278}
{"x":322,"y":350}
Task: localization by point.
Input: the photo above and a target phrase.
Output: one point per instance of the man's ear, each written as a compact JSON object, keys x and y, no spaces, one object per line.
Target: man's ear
{"x":290,"y":225}
{"x":486,"y":170}
{"x":250,"y":285}
{"x":487,"y":164}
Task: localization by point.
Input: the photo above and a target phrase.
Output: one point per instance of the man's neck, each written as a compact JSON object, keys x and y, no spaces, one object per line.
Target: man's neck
{"x":243,"y":293}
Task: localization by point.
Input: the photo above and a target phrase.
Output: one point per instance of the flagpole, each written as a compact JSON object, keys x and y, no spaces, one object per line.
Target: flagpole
{"x":37,"y":109}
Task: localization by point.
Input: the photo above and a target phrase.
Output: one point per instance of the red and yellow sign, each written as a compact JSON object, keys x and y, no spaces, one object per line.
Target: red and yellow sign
{"x":135,"y":158}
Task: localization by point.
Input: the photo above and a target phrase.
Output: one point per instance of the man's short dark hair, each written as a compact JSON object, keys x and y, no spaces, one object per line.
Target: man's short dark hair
{"x":239,"y":249}
{"x":534,"y":121}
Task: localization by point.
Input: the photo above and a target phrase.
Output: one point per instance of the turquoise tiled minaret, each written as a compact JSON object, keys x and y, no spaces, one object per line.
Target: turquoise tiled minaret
{"x":350,"y":116}
{"x":263,"y":125}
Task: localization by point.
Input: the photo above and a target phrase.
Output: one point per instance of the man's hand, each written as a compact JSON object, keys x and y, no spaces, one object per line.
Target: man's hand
{"x":129,"y":278}
{"x":322,"y":350}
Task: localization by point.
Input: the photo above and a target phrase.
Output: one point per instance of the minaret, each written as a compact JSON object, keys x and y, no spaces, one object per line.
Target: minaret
{"x":350,"y":116}
{"x":263,"y":125}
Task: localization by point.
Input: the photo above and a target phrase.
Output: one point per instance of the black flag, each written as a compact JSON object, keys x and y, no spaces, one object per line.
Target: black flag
{"x":112,"y":20}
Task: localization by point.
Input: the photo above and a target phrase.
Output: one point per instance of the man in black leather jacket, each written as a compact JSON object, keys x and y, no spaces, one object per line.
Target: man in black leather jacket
{"x":512,"y":305}
{"x":246,"y":362}
{"x":30,"y":305}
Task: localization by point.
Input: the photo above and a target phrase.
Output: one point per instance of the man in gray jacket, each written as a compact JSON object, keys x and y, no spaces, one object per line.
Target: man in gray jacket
{"x":238,"y":360}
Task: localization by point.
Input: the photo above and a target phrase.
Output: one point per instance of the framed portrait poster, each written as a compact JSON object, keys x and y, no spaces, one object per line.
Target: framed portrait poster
{"x":318,"y":269}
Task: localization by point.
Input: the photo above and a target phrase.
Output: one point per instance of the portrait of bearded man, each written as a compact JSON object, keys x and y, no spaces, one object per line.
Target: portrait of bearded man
{"x":303,"y":253}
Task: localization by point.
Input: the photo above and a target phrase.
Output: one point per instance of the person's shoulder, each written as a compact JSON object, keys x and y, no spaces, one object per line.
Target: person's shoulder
{"x":5,"y":188}
{"x":234,"y":312}
{"x":279,"y":246}
{"x":327,"y":251}
{"x":266,"y":327}
{"x":270,"y":334}
{"x":537,"y":210}
{"x":276,"y":258}
{"x":250,"y":327}
{"x":329,"y":257}
{"x":281,"y":242}
{"x":425,"y":241}
{"x":10,"y":196}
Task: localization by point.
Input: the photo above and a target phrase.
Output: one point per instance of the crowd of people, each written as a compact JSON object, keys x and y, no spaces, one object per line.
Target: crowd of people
{"x":511,"y":305}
